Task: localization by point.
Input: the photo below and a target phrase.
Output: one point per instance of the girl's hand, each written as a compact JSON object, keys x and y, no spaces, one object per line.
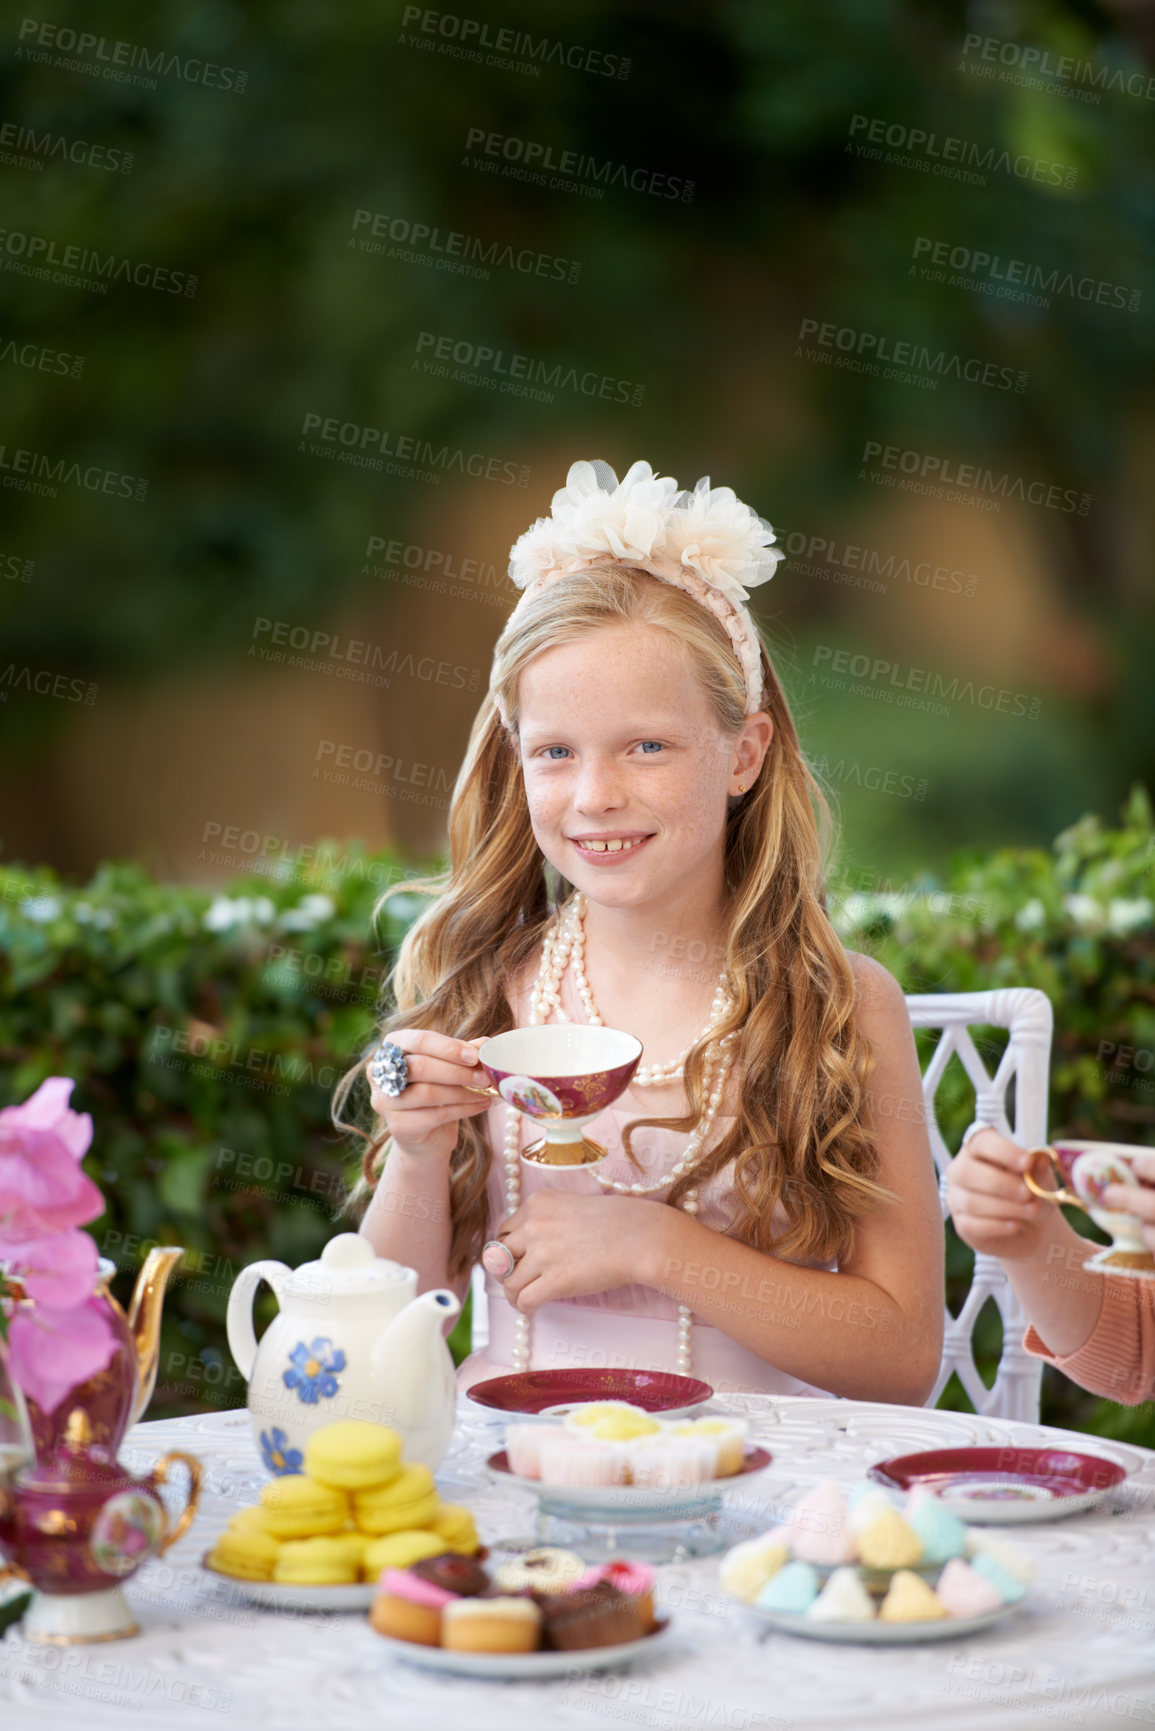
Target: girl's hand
{"x":992,"y":1209}
{"x":444,"y":1076}
{"x":569,"y":1246}
{"x":1127,"y":1200}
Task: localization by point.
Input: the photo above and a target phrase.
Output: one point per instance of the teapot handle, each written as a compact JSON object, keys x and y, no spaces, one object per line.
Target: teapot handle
{"x":185,"y":1518}
{"x":239,"y":1318}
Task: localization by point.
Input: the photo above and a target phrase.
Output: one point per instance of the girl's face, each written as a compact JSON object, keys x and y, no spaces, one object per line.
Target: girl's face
{"x":626,"y":770}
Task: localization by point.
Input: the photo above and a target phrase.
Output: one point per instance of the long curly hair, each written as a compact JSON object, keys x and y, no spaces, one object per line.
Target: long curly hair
{"x":802,"y":1145}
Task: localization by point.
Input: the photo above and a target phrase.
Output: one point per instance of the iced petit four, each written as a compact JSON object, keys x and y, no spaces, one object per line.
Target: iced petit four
{"x":636,"y":1580}
{"x":409,"y":1608}
{"x":594,"y":1616}
{"x":614,"y":1443}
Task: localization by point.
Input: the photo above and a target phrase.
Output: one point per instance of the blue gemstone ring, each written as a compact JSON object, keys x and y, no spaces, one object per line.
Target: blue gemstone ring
{"x":389,"y":1070}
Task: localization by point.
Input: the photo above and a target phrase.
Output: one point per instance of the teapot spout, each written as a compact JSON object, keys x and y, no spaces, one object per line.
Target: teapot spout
{"x":411,"y":1366}
{"x":144,"y":1314}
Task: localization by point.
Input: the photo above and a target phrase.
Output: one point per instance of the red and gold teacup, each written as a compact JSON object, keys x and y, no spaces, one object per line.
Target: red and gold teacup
{"x":1082,"y":1171}
{"x":561,"y":1075}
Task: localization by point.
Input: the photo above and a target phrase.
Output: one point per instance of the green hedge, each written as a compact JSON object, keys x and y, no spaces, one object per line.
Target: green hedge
{"x":205,"y":1031}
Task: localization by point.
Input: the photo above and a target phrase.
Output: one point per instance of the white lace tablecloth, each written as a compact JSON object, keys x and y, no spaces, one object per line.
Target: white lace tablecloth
{"x":1080,"y":1652}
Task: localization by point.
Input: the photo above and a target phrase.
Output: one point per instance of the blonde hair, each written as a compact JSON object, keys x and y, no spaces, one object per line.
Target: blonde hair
{"x":802,"y":1144}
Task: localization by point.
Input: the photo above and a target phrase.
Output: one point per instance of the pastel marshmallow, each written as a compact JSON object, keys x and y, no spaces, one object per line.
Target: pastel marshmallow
{"x":793,"y":1590}
{"x":964,"y":1592}
{"x":821,"y":1528}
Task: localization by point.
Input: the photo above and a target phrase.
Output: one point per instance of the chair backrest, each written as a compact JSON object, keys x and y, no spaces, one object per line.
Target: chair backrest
{"x":1026,"y":1015}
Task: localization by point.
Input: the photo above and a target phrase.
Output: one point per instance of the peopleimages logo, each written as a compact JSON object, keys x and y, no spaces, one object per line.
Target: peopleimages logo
{"x":917,"y":687}
{"x":450,"y":250}
{"x":517,"y":375}
{"x":952,"y":158}
{"x":539,"y":164}
{"x":489,"y":44}
{"x":1031,"y":66}
{"x":962,"y":483}
{"x":1014,"y":278}
{"x":903,"y":362}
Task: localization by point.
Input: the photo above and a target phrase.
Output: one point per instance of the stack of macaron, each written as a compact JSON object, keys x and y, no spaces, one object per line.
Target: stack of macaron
{"x":857,"y":1558}
{"x":547,"y":1599}
{"x":612,"y":1442}
{"x":355,"y":1510}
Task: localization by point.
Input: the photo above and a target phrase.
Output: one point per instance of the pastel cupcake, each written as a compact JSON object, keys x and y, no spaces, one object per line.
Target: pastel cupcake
{"x":671,"y":1463}
{"x":728,"y":1435}
{"x":523,"y":1446}
{"x":583,"y":1460}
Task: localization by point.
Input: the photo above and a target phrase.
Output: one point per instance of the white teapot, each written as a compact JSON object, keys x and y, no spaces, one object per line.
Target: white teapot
{"x":352,"y":1341}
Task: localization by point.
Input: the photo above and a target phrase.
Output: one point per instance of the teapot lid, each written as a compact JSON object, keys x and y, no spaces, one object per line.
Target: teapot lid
{"x":348,"y":1264}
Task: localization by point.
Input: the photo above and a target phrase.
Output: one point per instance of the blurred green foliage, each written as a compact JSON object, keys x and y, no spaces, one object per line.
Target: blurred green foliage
{"x":205,"y":1032}
{"x":700,"y":298}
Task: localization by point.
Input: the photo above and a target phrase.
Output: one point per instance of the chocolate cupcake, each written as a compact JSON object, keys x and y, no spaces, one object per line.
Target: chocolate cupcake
{"x":597,"y":1616}
{"x":453,"y":1573}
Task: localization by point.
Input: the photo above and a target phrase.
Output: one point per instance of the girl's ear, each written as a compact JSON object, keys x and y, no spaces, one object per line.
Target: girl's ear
{"x":750,"y":750}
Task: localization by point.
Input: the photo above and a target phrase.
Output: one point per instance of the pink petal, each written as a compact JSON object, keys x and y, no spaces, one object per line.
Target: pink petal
{"x":59,"y":1270}
{"x":48,"y":1109}
{"x":42,"y":1189}
{"x":51,"y":1351}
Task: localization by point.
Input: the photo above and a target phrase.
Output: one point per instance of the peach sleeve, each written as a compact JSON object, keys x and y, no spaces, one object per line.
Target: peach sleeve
{"x":1118,"y":1357}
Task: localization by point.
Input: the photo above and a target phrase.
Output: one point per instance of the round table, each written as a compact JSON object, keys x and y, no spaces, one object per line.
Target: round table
{"x":1080,"y":1651}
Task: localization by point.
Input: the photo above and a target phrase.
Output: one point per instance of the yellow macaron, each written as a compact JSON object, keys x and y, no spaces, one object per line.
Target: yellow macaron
{"x":399,"y":1551}
{"x":297,"y":1507}
{"x":248,"y":1555}
{"x":458,"y":1532}
{"x":316,"y":1563}
{"x":353,"y":1455}
{"x":249,"y":1520}
{"x":408,"y":1500}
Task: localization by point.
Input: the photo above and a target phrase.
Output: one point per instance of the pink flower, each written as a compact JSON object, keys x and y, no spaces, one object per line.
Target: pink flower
{"x":42,"y":1185}
{"x":51,"y":1351}
{"x":58,"y":1270}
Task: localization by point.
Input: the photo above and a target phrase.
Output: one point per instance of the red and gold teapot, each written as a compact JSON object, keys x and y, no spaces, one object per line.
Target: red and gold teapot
{"x":77,"y":1525}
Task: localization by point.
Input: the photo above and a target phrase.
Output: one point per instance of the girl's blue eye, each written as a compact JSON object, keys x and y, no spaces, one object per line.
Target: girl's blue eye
{"x":656,"y":743}
{"x":550,"y":749}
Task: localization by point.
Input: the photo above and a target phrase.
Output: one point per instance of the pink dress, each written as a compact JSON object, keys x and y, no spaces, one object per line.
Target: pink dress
{"x":631,"y":1327}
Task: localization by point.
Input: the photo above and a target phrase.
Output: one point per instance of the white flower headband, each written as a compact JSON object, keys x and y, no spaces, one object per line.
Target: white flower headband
{"x":706,"y":542}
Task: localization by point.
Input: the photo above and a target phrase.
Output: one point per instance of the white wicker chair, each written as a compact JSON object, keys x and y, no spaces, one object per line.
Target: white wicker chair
{"x":1026,"y":1014}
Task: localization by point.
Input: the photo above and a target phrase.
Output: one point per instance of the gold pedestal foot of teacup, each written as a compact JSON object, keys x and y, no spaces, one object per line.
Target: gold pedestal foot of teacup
{"x":1134,"y":1262}
{"x":543,"y":1152}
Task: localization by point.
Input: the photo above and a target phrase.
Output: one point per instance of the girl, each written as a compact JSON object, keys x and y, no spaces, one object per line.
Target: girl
{"x":633,"y":841}
{"x":1099,"y":1329}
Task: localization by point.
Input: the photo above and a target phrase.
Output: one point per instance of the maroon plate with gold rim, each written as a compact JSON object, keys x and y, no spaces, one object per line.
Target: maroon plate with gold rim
{"x":1005,"y":1486}
{"x":533,"y":1391}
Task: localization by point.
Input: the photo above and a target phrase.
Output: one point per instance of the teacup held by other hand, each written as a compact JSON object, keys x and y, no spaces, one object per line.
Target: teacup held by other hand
{"x":1083,"y":1170}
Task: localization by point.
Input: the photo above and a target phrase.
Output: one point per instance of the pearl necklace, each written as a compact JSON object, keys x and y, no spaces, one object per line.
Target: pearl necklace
{"x":564,"y":946}
{"x":558,"y":947}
